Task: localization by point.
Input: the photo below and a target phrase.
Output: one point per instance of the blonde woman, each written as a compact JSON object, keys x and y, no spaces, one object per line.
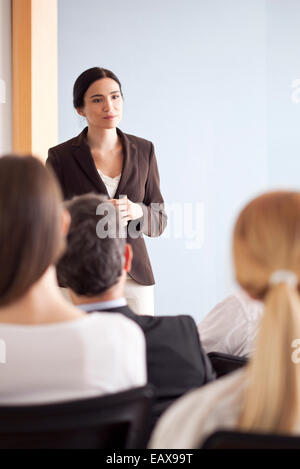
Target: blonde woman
{"x":265,"y":395}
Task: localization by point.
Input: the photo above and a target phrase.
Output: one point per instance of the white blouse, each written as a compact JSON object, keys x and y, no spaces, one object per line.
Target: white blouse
{"x":110,"y":183}
{"x":231,"y":326}
{"x":97,"y":354}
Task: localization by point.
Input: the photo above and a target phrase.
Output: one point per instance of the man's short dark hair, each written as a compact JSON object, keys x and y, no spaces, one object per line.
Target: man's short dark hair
{"x":93,"y":261}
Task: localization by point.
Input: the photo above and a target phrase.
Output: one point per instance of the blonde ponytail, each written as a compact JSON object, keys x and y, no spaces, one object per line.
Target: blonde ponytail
{"x":272,"y":397}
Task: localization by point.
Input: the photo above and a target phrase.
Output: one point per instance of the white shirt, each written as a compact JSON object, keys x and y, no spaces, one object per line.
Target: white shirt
{"x":103,"y":305}
{"x":192,"y":418}
{"x":97,"y":354}
{"x":110,"y":183}
{"x":231,"y":326}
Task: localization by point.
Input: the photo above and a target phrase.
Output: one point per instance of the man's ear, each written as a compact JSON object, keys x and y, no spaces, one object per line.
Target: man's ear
{"x":65,"y":221}
{"x":128,"y":257}
{"x":80,"y":111}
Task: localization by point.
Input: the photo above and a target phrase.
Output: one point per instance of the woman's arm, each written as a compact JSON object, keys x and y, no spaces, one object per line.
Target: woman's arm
{"x":154,"y":219}
{"x":52,"y":162}
{"x":147,"y":217}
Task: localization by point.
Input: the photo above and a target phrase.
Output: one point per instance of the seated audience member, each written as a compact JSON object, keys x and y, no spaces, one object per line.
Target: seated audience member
{"x":94,"y":269}
{"x":231,"y":326}
{"x":264,"y":396}
{"x":54,"y":351}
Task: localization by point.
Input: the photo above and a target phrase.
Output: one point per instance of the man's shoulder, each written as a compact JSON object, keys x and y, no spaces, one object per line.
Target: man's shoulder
{"x":180,"y":323}
{"x":176,"y":319}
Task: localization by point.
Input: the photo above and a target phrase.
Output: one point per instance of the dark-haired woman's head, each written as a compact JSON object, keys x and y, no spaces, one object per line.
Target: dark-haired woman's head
{"x":97,"y":96}
{"x":31,"y":237}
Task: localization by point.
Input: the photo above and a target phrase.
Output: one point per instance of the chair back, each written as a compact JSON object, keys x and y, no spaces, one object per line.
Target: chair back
{"x":224,"y":363}
{"x":241,"y":440}
{"x":117,"y":421}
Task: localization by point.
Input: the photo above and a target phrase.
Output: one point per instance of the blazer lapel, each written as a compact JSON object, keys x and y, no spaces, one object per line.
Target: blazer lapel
{"x":82,"y":154}
{"x":129,"y":157}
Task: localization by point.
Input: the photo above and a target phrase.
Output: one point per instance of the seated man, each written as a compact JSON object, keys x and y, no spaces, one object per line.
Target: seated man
{"x":94,"y":269}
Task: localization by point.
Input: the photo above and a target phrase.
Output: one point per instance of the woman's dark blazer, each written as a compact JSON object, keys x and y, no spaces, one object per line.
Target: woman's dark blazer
{"x":75,"y":169}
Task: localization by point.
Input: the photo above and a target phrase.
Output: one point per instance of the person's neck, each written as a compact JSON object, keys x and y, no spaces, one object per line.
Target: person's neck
{"x":43,"y":303}
{"x":114,"y":293}
{"x":102,"y":140}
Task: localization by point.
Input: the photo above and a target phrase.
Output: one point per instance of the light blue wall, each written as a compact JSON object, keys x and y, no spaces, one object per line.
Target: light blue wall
{"x":209,"y":82}
{"x":283,"y":99}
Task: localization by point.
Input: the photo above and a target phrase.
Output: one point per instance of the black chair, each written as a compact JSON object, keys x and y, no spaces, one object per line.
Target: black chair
{"x":224,"y":363}
{"x":118,"y":421}
{"x":241,"y":440}
{"x":160,"y":405}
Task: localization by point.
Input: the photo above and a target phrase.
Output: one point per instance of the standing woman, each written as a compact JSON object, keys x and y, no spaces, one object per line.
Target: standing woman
{"x":104,"y":160}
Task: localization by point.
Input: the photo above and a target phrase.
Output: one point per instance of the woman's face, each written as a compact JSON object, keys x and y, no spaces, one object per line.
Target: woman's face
{"x":103,"y":104}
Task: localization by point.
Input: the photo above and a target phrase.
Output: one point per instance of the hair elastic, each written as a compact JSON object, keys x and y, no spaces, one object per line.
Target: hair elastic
{"x":284,"y":276}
